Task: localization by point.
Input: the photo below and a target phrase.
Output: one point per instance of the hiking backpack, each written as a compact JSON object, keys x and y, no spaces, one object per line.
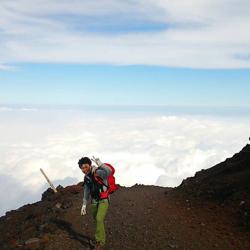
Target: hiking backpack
{"x":111,"y":187}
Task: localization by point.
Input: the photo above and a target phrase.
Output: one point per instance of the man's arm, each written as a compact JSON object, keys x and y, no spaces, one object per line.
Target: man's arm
{"x":102,"y":166}
{"x":86,"y":193}
{"x":103,"y":171}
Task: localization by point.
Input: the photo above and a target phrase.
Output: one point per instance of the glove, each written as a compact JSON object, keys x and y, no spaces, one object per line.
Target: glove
{"x":97,"y":161}
{"x":83,"y":209}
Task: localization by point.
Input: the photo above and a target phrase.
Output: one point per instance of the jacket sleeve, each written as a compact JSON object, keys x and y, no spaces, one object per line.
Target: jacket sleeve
{"x":86,"y":193}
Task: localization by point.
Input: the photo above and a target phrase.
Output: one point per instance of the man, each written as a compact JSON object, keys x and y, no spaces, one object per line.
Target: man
{"x":93,"y":189}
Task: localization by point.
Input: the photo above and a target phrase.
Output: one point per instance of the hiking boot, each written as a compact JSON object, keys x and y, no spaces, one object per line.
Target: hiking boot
{"x":98,"y":246}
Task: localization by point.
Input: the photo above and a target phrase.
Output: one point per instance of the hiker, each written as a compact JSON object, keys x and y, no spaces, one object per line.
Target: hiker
{"x":98,"y":192}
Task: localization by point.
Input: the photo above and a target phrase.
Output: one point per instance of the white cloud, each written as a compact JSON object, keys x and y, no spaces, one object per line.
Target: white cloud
{"x":149,"y":149}
{"x":198,"y":34}
{"x":13,"y":194}
{"x":8,"y":68}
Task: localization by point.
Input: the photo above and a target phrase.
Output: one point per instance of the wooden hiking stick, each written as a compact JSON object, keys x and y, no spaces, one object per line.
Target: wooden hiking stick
{"x":48,"y":180}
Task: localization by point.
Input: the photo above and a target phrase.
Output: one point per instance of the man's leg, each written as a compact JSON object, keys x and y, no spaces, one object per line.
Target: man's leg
{"x":100,"y":234}
{"x":94,"y":208}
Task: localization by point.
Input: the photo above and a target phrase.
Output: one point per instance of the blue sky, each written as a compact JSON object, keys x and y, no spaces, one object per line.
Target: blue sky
{"x":123,"y":85}
{"x":122,"y":52}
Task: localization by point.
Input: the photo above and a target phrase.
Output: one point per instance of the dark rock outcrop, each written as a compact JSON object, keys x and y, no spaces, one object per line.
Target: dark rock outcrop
{"x":227,"y":183}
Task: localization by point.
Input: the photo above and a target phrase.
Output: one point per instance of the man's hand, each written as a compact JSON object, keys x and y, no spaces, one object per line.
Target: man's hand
{"x":83,"y":209}
{"x":97,"y":161}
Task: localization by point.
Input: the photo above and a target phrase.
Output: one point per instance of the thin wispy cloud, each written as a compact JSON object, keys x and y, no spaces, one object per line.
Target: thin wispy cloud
{"x":194,"y":34}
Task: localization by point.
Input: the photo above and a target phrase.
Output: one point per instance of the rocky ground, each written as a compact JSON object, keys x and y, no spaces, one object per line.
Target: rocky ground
{"x":207,"y":211}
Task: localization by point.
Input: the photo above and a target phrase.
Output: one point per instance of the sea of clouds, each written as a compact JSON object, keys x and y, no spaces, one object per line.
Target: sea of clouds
{"x":153,"y":148}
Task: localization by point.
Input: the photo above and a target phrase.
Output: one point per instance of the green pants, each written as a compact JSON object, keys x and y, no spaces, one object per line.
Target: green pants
{"x":99,"y":211}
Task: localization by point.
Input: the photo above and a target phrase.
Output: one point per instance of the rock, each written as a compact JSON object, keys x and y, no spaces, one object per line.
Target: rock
{"x":47,"y":194}
{"x":33,"y":243}
{"x":43,"y":226}
{"x":58,"y":205}
{"x":45,"y":238}
{"x":59,"y":188}
{"x":47,"y":228}
{"x":67,"y":204}
{"x":173,"y":246}
{"x":242,"y":203}
{"x":74,"y":189}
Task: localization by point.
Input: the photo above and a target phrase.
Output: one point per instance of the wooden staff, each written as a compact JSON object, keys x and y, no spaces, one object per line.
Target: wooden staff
{"x":48,"y":180}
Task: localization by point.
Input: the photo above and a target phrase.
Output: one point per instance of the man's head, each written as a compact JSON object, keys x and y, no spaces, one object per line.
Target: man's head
{"x":85,"y":165}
